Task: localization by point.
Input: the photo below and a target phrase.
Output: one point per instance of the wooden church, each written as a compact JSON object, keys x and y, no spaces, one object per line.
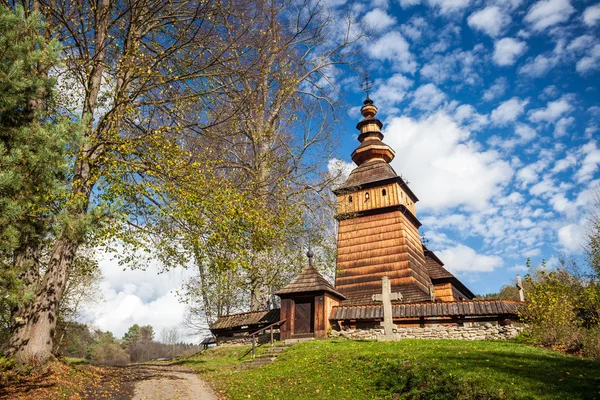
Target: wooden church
{"x":378,"y":237}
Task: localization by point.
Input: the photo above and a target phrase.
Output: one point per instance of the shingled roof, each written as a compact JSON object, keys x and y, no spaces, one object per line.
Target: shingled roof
{"x":250,"y":319}
{"x":435,"y":266}
{"x":429,"y":309}
{"x":309,"y":280}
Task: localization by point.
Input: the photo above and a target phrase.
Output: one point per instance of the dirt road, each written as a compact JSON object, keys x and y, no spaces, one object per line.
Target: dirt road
{"x":163,"y":382}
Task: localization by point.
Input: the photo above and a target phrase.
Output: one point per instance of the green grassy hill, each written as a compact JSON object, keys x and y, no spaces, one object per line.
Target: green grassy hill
{"x":412,"y":369}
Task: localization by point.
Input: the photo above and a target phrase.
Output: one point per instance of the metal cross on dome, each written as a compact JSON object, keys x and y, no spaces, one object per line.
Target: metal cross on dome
{"x":367,"y":85}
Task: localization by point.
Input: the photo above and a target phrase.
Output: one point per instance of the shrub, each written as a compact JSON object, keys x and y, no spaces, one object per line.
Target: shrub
{"x":109,"y":353}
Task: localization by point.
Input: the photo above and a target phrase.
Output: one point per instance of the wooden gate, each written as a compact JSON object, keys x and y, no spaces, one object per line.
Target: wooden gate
{"x":303,"y":318}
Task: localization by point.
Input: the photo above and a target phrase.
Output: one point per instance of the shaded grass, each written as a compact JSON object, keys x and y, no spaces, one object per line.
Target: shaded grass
{"x":415,"y":369}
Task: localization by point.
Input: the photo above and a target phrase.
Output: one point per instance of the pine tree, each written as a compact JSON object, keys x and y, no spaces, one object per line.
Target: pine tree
{"x":33,"y":156}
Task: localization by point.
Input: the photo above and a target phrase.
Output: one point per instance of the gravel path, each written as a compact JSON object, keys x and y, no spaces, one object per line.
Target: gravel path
{"x":171,"y":383}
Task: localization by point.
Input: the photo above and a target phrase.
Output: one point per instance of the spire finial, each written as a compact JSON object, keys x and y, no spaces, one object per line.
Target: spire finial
{"x":367,"y":86}
{"x":310,"y":256}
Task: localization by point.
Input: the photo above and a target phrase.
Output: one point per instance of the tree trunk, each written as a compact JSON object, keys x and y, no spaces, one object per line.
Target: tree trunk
{"x":34,"y":323}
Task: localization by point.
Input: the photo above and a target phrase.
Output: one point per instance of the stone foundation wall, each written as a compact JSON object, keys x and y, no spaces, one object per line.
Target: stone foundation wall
{"x":483,"y":332}
{"x":245,"y":339}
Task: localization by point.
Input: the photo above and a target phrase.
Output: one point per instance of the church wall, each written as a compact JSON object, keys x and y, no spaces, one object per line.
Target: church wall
{"x":444,"y":292}
{"x":394,"y":196}
{"x":374,"y":246}
{"x":287,"y":312}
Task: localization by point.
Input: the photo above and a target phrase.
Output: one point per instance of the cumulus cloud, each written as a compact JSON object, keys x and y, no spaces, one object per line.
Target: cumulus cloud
{"x":137,"y":297}
{"x":449,"y":6}
{"x":466,"y":115}
{"x":394,"y":48}
{"x":496,"y":90}
{"x":590,"y":62}
{"x":572,"y":237}
{"x":463,"y":258}
{"x":590,"y":156}
{"x":539,"y":66}
{"x":509,"y":111}
{"x":552,"y":112}
{"x":458,"y":66}
{"x":414,"y":28}
{"x":508,"y":50}
{"x":378,"y":20}
{"x":446,"y":166}
{"x":591,"y":15}
{"x":561,"y":126}
{"x":490,"y":20}
{"x":546,"y":13}
{"x":428,"y":97}
{"x":391,"y":91}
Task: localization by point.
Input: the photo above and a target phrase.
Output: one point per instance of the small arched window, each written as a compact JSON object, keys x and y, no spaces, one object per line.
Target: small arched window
{"x":383,"y":192}
{"x":349,"y":199}
{"x":367,"y":196}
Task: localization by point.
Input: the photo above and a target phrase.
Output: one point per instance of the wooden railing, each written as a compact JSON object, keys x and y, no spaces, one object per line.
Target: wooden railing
{"x":253,"y":335}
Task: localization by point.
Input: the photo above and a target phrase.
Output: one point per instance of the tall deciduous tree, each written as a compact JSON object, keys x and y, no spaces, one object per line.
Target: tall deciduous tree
{"x":137,"y":70}
{"x":266,"y":156}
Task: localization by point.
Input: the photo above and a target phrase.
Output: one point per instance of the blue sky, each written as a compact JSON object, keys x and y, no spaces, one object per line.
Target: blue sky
{"x":493,"y":110}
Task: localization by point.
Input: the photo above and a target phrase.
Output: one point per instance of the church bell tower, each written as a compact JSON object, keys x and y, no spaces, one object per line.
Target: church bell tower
{"x":378,"y":228}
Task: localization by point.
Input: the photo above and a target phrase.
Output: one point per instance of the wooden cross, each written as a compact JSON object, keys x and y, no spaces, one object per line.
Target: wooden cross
{"x":386,"y":297}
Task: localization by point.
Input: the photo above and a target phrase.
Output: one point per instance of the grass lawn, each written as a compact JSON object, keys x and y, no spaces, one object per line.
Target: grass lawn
{"x":416,"y":369}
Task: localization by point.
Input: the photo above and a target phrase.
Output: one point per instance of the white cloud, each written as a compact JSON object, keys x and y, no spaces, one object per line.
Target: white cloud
{"x":466,"y":115}
{"x":582,"y":42}
{"x":496,"y":90}
{"x":508,"y":50}
{"x":525,"y":133}
{"x":590,"y":154}
{"x":560,"y":128}
{"x":464,"y":258}
{"x":539,"y":66}
{"x":590,"y":62}
{"x":445,"y":7}
{"x":137,"y":297}
{"x":414,"y":28}
{"x":552,"y":112}
{"x":572,"y":237}
{"x":394,"y":48}
{"x":509,"y":111}
{"x":391,"y":91}
{"x":546,"y":13}
{"x":427,"y":97}
{"x":409,"y":3}
{"x":490,"y":20}
{"x":591,"y":15}
{"x":378,"y":20}
{"x":460,"y":66}
{"x":446,"y":167}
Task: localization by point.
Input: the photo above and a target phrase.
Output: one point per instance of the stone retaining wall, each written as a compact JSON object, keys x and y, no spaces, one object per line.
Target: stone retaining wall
{"x":483,"y":332}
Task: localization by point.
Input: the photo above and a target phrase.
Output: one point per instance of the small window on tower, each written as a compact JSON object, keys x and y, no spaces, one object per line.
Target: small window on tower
{"x":349,"y":199}
{"x":367,"y":196}
{"x":383,"y":192}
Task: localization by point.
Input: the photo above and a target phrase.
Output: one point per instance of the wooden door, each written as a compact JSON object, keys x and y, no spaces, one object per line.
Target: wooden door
{"x":303,"y":318}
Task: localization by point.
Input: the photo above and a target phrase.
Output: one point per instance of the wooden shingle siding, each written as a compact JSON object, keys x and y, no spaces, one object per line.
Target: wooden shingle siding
{"x":394,"y":196}
{"x":374,"y":246}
